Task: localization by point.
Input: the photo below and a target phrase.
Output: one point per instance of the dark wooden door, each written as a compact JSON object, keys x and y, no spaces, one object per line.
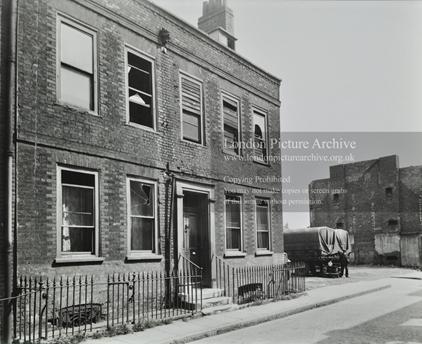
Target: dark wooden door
{"x":191,"y":242}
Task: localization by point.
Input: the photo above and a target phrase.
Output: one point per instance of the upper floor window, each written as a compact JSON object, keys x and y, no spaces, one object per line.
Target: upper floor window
{"x":233,"y":223}
{"x":260,"y":136}
{"x":191,"y":108}
{"x":76,"y":64}
{"x":142,"y":216}
{"x":336,"y":198}
{"x":231,"y":125}
{"x":77,"y":212}
{"x":263,"y":224}
{"x":140,"y":86}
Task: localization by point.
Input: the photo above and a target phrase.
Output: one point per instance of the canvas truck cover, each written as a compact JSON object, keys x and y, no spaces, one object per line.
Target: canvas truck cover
{"x":343,"y":239}
{"x":310,"y":243}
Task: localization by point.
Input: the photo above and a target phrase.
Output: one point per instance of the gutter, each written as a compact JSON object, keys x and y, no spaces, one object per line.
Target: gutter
{"x":9,"y":109}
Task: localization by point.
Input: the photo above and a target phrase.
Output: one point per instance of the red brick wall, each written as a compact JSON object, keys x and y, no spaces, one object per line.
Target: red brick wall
{"x":51,"y":134}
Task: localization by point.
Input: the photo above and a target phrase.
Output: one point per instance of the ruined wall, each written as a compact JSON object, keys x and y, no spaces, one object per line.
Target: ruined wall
{"x":380,"y":204}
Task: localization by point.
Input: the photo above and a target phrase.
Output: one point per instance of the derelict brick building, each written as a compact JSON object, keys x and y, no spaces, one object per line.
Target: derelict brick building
{"x":379,"y":204}
{"x":119,"y":161}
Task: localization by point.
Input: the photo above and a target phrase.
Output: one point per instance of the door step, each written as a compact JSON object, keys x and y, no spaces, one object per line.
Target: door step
{"x":216,"y":301}
{"x":191,"y":293}
{"x":211,"y":298}
{"x":209,"y":293}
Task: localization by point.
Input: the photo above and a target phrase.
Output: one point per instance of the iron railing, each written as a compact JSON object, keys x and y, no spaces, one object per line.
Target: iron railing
{"x":251,"y":283}
{"x":191,"y":283}
{"x":46,"y":308}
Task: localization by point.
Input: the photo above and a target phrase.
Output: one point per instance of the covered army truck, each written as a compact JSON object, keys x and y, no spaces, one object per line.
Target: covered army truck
{"x":318,"y":247}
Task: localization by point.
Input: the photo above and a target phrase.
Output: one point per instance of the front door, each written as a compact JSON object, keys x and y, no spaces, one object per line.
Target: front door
{"x":196,"y":234}
{"x":191,"y":241}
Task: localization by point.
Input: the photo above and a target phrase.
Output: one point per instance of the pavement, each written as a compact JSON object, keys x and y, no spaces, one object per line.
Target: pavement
{"x":212,"y":325}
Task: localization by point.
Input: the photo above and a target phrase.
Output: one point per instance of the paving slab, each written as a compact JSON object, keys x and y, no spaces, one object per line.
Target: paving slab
{"x":210,"y":325}
{"x":149,"y":336}
{"x":181,"y":328}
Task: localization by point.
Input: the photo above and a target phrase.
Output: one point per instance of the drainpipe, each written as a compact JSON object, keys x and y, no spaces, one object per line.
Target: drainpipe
{"x":9,"y":108}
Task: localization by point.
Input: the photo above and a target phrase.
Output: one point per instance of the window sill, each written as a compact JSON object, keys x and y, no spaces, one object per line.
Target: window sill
{"x":229,"y":152}
{"x":143,"y":127}
{"x":76,"y":108}
{"x":150,"y":256}
{"x":264,"y":253}
{"x":199,"y":144}
{"x":259,"y":162}
{"x":81,"y":259}
{"x":234,"y":254}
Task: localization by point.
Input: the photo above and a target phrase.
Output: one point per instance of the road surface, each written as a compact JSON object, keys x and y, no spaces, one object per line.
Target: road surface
{"x":390,"y":316}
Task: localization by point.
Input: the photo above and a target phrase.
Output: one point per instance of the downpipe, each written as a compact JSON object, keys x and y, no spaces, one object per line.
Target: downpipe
{"x":9,"y":109}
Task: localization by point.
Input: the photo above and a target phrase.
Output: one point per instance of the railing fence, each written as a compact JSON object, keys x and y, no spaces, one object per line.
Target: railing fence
{"x":251,"y":283}
{"x":45,"y":308}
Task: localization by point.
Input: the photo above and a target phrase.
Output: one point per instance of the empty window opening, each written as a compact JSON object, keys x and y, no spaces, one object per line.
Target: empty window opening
{"x":260,"y":136}
{"x":142,"y":216}
{"x":336,"y":198}
{"x":392,"y":223}
{"x":231,"y":125}
{"x":140,"y":90}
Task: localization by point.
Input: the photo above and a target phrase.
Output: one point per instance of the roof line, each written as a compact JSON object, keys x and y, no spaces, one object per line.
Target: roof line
{"x":206,"y":37}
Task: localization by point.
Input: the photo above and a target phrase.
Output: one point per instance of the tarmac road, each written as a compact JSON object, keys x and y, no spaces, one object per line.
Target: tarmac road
{"x":391,"y":316}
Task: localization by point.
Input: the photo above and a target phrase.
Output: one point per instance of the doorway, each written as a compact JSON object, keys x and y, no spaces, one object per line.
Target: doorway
{"x":195,"y":229}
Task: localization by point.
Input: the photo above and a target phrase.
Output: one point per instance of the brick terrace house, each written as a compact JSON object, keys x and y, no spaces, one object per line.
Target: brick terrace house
{"x":379,"y":204}
{"x":125,"y":141}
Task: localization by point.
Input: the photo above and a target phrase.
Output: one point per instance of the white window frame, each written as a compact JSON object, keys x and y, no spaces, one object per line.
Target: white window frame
{"x":184,"y":75}
{"x":237,"y":101}
{"x":233,"y":251}
{"x":263,"y":113}
{"x":134,"y":254}
{"x":151,"y":59}
{"x":62,"y":18}
{"x":64,"y":256}
{"x":263,"y":250}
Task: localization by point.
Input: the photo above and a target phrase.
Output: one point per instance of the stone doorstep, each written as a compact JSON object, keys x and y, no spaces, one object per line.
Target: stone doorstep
{"x":216,"y":301}
{"x":207,"y":293}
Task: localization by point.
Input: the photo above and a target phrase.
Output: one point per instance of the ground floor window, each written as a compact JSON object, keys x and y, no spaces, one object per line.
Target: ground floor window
{"x":263,"y":224}
{"x":142,"y":216}
{"x":78,"y":209}
{"x":233,"y":223}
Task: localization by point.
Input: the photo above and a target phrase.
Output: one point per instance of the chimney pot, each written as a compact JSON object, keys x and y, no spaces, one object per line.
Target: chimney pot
{"x":218,"y":20}
{"x":205,"y":8}
{"x":211,"y":5}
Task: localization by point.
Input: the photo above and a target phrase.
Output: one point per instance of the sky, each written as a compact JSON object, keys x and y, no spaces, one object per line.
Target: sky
{"x":346,"y":66}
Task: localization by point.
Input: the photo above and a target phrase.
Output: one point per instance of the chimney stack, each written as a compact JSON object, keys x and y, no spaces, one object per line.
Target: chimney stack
{"x":218,"y":22}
